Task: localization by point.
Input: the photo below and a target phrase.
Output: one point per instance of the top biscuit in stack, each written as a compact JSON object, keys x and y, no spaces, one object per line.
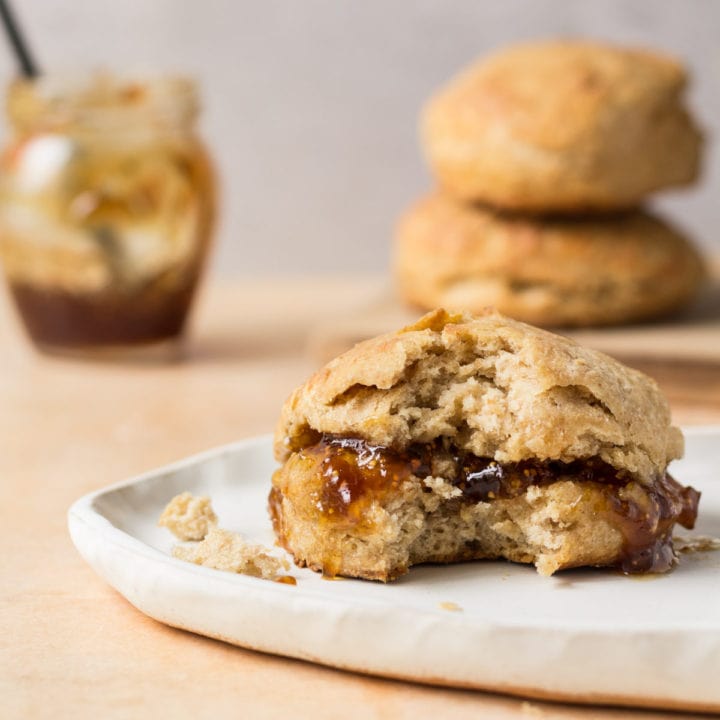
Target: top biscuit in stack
{"x":563,"y":127}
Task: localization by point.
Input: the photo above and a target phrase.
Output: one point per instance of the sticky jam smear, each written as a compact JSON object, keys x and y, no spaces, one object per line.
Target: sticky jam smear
{"x":353,"y":473}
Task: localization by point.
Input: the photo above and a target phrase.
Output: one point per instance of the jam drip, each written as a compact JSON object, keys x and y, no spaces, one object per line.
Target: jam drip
{"x":647,"y":526}
{"x":354,"y":472}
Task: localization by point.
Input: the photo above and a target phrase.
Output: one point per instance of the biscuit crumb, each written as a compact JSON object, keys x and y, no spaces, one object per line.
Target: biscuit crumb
{"x":442,"y":488}
{"x":528,"y":708}
{"x":192,"y":518}
{"x":451,"y":606}
{"x":699,"y":543}
{"x":188,"y":517}
{"x":225,"y":550}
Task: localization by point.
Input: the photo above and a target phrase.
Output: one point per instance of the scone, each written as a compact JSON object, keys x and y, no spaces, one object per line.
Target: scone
{"x":459,"y":438}
{"x":563,"y":126}
{"x":567,"y":272}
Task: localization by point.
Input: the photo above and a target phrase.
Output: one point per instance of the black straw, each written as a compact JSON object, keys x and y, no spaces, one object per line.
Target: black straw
{"x":22,"y":53}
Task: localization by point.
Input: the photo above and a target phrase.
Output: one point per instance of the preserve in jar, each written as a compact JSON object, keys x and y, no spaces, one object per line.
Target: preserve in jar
{"x":106,"y":211}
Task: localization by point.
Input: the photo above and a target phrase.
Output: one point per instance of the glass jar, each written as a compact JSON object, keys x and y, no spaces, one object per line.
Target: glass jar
{"x":106,"y":211}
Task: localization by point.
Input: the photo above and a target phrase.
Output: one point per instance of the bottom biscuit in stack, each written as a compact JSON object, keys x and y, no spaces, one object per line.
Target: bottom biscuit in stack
{"x":460,"y":438}
{"x":550,"y":272}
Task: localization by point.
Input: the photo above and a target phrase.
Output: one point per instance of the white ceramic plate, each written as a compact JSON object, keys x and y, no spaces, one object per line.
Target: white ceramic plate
{"x":583,"y":635}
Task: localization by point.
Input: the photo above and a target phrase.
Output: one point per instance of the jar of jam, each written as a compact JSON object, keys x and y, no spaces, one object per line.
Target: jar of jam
{"x":106,"y":211}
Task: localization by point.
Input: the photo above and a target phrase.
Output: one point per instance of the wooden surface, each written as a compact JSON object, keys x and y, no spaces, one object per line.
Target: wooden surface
{"x":72,"y":647}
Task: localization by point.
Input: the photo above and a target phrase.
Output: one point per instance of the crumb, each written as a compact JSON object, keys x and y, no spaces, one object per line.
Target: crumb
{"x":533,"y":710}
{"x":451,"y":606}
{"x":188,"y":517}
{"x":225,"y":550}
{"x":698,"y":543}
{"x":442,"y":487}
{"x":192,"y":518}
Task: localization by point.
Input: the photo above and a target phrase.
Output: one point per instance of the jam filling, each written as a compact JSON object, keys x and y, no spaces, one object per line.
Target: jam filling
{"x":353,"y":472}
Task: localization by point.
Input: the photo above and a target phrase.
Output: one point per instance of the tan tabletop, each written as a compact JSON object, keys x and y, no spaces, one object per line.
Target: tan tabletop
{"x":72,"y":647}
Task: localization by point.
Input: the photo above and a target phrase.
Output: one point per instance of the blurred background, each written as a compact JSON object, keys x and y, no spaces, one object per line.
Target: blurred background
{"x":311,"y":107}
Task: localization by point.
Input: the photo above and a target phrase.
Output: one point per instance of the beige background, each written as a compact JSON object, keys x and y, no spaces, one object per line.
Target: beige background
{"x":311,"y":106}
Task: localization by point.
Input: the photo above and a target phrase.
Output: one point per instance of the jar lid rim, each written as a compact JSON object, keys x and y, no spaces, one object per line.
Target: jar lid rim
{"x":102,"y":95}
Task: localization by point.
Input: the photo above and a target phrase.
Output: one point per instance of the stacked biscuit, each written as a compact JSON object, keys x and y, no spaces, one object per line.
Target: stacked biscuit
{"x":544,"y":154}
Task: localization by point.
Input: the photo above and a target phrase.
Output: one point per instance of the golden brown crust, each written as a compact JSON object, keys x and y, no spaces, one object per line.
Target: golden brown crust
{"x":500,"y":389}
{"x":589,"y":271}
{"x":563,"y":126}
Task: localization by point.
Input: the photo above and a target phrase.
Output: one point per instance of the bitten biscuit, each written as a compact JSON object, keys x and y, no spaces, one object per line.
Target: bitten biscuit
{"x":563,"y":127}
{"x":461,"y":438}
{"x":571,"y":272}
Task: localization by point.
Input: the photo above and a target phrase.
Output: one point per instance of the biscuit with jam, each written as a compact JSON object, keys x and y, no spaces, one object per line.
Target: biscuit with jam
{"x":555,"y":272}
{"x":462,"y":438}
{"x":563,"y":126}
